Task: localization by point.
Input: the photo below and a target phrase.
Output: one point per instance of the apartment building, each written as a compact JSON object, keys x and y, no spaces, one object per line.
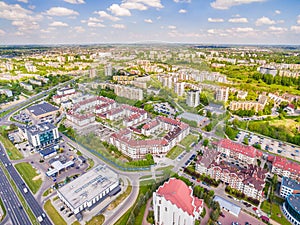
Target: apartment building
{"x":289,"y":186}
{"x":222,"y":94}
{"x":179,"y":88}
{"x":285,"y":168}
{"x":193,"y":98}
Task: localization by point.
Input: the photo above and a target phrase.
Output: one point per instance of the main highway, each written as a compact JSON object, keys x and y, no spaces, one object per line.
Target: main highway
{"x":31,"y":201}
{"x":11,"y":202}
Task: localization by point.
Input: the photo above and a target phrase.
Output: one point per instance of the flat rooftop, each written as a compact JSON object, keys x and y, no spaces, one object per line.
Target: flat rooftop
{"x":233,"y":208}
{"x":290,"y":183}
{"x":89,"y":185}
{"x":40,"y":128}
{"x":42,"y":108}
{"x":192,"y":117}
{"x":294,"y":201}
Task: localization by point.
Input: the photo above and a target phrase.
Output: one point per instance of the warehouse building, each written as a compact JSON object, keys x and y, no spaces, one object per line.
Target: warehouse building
{"x":42,"y":110}
{"x":90,"y":189}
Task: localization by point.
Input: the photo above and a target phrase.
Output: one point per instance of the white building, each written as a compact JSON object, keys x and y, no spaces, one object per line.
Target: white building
{"x":174,"y":204}
{"x":289,"y":186}
{"x":179,"y":88}
{"x":222,"y":94}
{"x":89,"y":189}
{"x":193,"y":98}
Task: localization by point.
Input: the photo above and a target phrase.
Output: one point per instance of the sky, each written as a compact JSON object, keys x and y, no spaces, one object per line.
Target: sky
{"x":139,"y":21}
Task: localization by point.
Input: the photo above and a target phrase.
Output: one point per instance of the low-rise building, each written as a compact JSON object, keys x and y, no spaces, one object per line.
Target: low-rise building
{"x":174,"y":204}
{"x":26,"y":86}
{"x":42,"y":110}
{"x":200,"y":120}
{"x":89,"y":189}
{"x":291,"y":208}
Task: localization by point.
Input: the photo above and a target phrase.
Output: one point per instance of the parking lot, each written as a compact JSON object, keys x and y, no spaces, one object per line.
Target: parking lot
{"x":241,"y":220}
{"x":271,"y":145}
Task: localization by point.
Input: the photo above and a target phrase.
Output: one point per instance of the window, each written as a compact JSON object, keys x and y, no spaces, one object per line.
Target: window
{"x":166,"y":209}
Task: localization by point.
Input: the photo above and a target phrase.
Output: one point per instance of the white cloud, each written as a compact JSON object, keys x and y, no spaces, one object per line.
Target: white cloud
{"x":48,"y":30}
{"x":215,"y":20}
{"x":264,"y":21}
{"x":24,"y":1}
{"x":118,"y":10}
{"x":2,"y":32}
{"x":172,"y":27}
{"x":238,"y":20}
{"x":183,"y":1}
{"x":212,"y":31}
{"x":295,"y":29}
{"x":244,"y":29}
{"x":277,"y":11}
{"x":32,"y":7}
{"x":119,"y":26}
{"x":79,"y":29}
{"x":298,"y":21}
{"x":134,"y":5}
{"x":141,"y":4}
{"x":277,"y":29}
{"x":75,"y":1}
{"x":148,"y":21}
{"x":105,"y":15}
{"x":16,"y":12}
{"x":61,"y":11}
{"x":226,"y":4}
{"x":182,"y":11}
{"x":94,"y":24}
{"x":58,"y":24}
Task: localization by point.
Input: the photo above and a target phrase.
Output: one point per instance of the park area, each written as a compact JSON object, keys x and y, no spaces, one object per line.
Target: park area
{"x":274,"y":211}
{"x":30,"y":176}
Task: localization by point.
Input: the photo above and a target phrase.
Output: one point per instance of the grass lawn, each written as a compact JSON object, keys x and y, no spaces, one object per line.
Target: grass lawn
{"x":188,"y":140}
{"x":12,"y":151}
{"x":145,"y":177}
{"x":53,"y":214}
{"x":96,"y":220}
{"x":47,"y":192}
{"x":165,"y":168}
{"x":76,"y":223}
{"x":91,"y":163}
{"x":266,"y":207}
{"x":120,"y":198}
{"x":28,"y":173}
{"x":3,"y":209}
{"x":174,"y":152}
{"x":289,"y":124}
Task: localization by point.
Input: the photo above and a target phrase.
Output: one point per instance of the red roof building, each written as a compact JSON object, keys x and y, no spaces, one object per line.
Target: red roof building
{"x":174,"y":202}
{"x":283,"y":167}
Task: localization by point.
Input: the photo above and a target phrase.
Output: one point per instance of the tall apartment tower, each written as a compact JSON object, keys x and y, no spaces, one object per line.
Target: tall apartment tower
{"x":193,"y":98}
{"x":222,"y":94}
{"x":179,"y":88}
{"x":93,"y":72}
{"x":108,"y":71}
{"x":167,"y":81}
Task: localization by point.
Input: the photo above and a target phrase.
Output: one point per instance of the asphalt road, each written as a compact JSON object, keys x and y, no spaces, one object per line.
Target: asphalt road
{"x":31,"y":201}
{"x":11,"y":202}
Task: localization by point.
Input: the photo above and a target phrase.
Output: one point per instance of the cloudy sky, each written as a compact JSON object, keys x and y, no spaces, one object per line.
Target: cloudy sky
{"x":129,"y":21}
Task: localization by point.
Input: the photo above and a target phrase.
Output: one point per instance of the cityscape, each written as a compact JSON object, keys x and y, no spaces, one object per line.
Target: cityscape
{"x":150,"y":112}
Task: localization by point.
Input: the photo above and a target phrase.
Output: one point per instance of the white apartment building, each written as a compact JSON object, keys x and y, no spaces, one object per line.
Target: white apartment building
{"x":193,"y":98}
{"x":289,"y":186}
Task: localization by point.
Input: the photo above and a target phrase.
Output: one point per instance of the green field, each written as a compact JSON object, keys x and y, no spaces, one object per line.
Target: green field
{"x":276,"y":213}
{"x":29,"y":174}
{"x":188,"y":140}
{"x":53,"y":214}
{"x":96,"y":220}
{"x":174,"y":152}
{"x":12,"y":151}
{"x":3,"y":209}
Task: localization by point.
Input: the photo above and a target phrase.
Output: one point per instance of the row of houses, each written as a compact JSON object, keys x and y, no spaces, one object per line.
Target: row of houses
{"x":136,"y":149}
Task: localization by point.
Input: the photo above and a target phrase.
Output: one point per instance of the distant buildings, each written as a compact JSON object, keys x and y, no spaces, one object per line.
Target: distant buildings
{"x":6,"y":92}
{"x":250,"y":105}
{"x":179,"y":88}
{"x":267,"y":70}
{"x":26,"y":86}
{"x":193,"y":98}
{"x":174,"y":204}
{"x":92,"y":72}
{"x":222,"y":94}
{"x":108,"y":70}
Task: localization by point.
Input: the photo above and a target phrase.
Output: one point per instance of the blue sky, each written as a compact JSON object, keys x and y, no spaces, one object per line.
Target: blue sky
{"x":129,"y":21}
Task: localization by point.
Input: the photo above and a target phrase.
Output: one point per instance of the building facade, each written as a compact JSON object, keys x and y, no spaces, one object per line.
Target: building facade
{"x":193,"y":98}
{"x":174,"y":204}
{"x":291,"y":208}
{"x":289,"y":186}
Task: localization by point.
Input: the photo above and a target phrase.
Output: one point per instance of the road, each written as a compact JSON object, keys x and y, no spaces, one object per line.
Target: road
{"x":31,"y":201}
{"x":11,"y":202}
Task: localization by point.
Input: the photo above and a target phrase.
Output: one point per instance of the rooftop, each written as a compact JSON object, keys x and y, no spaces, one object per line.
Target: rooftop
{"x":227,"y":205}
{"x":179,"y":194}
{"x":192,"y":117}
{"x":236,"y":147}
{"x":89,"y":185}
{"x":294,"y":201}
{"x":290,"y":183}
{"x":40,"y":128}
{"x":42,"y":108}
